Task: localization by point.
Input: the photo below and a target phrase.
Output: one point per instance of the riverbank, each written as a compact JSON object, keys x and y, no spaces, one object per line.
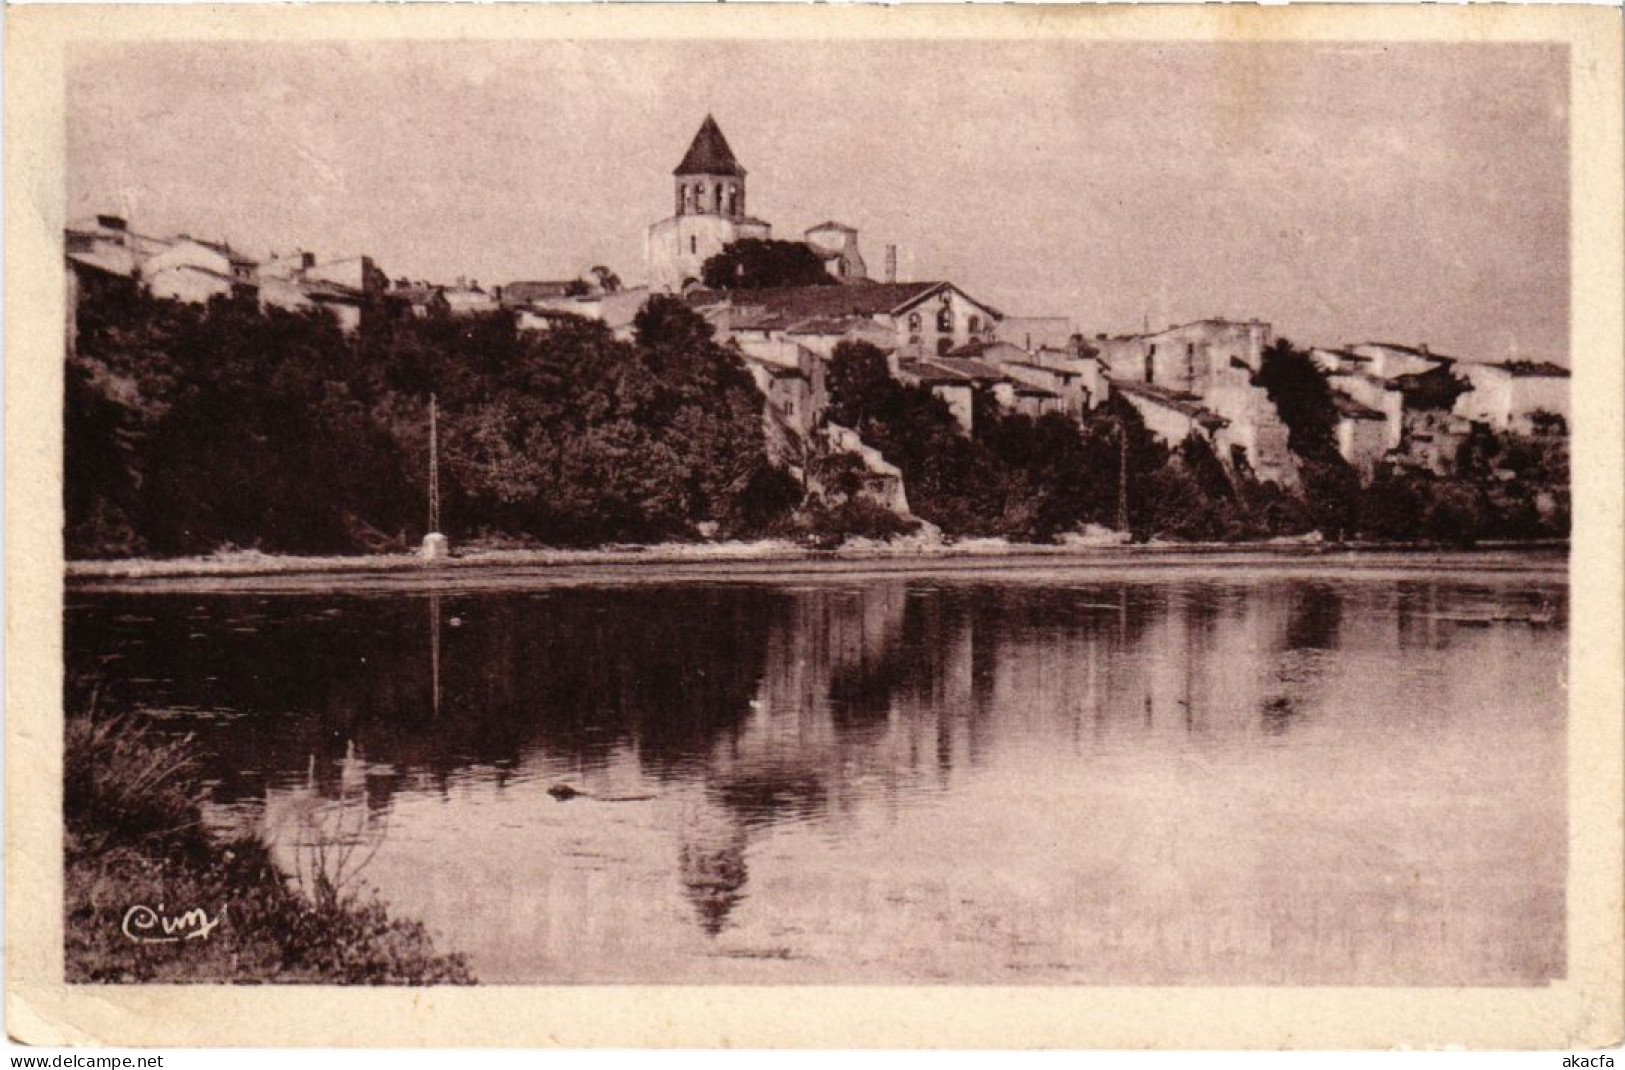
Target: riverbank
{"x":151,"y":896}
{"x":778,"y":557}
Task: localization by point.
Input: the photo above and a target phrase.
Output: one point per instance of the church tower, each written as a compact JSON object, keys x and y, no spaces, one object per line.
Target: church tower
{"x":709,"y":213}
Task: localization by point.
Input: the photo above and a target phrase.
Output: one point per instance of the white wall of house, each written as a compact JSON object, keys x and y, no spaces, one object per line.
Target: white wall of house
{"x":1506,"y":400}
{"x":189,"y":283}
{"x":1362,"y":442}
{"x":940,"y":321}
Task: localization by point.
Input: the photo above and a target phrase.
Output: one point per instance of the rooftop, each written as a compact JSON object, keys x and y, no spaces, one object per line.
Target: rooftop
{"x":826,"y":325}
{"x":981,"y":347}
{"x":930,"y":373}
{"x":1415,"y":351}
{"x":1185,"y":404}
{"x":1533,"y":369}
{"x":809,"y":302}
{"x":109,"y":265}
{"x":1347,"y":406}
{"x":1059,"y":373}
{"x":224,"y":249}
{"x":970,"y":369}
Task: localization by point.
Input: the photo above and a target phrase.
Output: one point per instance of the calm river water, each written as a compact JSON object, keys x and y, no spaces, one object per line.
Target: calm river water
{"x":1247,"y":776}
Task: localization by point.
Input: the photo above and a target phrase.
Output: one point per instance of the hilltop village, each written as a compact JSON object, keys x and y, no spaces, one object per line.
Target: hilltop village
{"x":1391,"y":409}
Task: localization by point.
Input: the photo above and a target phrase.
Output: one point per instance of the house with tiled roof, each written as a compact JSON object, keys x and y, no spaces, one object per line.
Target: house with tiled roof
{"x":1391,"y":360}
{"x":1212,"y":361}
{"x":1171,"y":415}
{"x":194,"y":271}
{"x":1071,"y":385}
{"x":106,"y":244}
{"x":347,"y":287}
{"x":837,"y":246}
{"x":1520,"y":395}
{"x":953,"y":388}
{"x":922,"y":318}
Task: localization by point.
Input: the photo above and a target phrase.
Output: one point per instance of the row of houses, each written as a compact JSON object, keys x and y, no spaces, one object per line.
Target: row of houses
{"x":197,"y":270}
{"x":1410,"y":406}
{"x":1396,"y":405}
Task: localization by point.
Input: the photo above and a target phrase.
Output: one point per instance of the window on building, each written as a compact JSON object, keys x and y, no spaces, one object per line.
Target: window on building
{"x":693,"y":244}
{"x":716,"y":192}
{"x":914,"y":322}
{"x":975,"y":325}
{"x":943,"y":345}
{"x":945,"y":320}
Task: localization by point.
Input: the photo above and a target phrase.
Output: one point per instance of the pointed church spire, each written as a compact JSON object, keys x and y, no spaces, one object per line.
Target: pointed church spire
{"x":709,"y":153}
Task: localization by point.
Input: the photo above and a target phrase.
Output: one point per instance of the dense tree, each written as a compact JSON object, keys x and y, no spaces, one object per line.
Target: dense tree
{"x":1302,"y":397}
{"x":190,"y":429}
{"x":763,"y":263}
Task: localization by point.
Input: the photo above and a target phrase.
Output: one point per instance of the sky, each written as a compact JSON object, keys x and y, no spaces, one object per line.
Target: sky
{"x":1415,"y":193}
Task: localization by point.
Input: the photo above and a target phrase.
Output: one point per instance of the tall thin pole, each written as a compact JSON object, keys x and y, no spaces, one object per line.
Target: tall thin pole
{"x":434,"y":649}
{"x":434,"y":466}
{"x":1122,"y":478}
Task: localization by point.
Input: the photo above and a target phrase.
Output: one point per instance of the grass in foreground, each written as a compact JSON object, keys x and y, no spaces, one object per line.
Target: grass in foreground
{"x":134,"y":836}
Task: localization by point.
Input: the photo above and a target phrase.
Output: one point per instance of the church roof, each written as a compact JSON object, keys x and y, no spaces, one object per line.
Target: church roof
{"x":709,"y":154}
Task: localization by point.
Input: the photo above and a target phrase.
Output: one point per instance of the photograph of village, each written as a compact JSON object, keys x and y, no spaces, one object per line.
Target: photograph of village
{"x":942,"y":512}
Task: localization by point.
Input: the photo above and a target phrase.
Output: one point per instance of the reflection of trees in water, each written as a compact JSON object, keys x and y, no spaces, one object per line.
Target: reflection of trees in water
{"x":1313,"y":627}
{"x":578,"y":672}
{"x":891,"y":679}
{"x":759,"y":797}
{"x":1314,"y":619}
{"x":1278,"y":714}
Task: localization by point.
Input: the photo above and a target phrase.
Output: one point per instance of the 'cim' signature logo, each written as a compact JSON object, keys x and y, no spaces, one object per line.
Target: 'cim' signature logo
{"x":145,"y":925}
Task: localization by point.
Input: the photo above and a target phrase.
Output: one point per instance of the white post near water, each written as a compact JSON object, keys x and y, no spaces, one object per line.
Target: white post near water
{"x":435,"y":546}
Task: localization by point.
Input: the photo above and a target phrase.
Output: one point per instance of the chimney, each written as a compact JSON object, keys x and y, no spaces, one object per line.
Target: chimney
{"x":462,"y":282}
{"x":112,"y":222}
{"x":1423,"y":349}
{"x":891,"y":263}
{"x":307,"y":260}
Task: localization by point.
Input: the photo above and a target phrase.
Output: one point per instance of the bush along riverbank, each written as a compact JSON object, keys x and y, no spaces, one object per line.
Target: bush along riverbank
{"x":152,"y":896}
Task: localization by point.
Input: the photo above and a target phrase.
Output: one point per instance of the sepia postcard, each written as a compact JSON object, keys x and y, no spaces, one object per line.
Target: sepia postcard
{"x":806,"y":526}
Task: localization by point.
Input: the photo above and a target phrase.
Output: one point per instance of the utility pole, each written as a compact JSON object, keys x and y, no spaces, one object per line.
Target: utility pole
{"x":434,"y":464}
{"x":434,"y":543}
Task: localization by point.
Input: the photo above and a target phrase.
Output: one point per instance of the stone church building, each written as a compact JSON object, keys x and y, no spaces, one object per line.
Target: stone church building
{"x":709,"y":213}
